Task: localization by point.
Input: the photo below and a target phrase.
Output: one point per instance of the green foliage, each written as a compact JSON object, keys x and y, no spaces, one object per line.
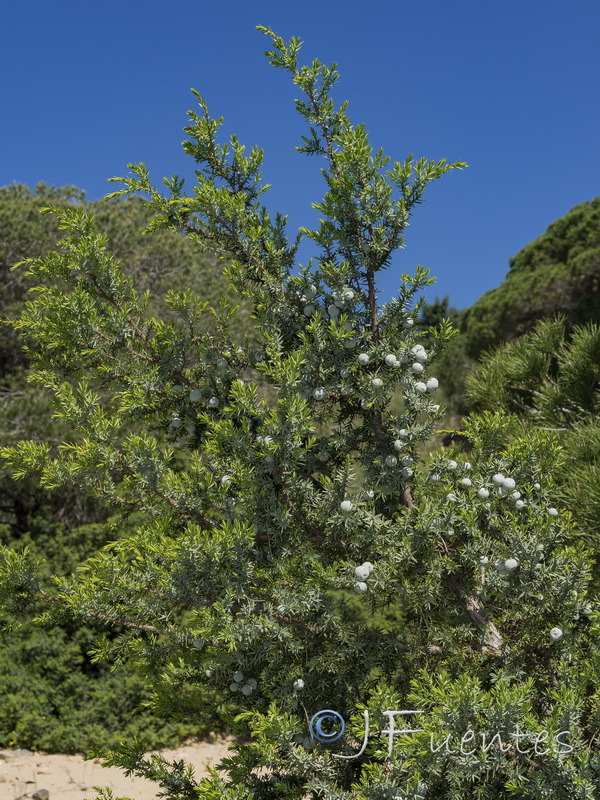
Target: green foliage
{"x":557,"y":273}
{"x":53,"y":696}
{"x":550,"y":378}
{"x":154,"y":263}
{"x":51,"y":686}
{"x":454,"y":363}
{"x":23,"y":233}
{"x":261,"y":487}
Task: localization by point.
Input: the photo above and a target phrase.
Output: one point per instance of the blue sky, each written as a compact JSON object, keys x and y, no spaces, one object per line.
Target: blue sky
{"x":511,"y":88}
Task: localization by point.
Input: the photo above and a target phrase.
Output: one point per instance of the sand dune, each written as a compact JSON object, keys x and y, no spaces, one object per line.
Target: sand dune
{"x":24,"y":774}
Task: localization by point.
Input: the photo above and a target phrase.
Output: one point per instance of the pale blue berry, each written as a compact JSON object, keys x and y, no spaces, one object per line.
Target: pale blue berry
{"x":419,"y":353}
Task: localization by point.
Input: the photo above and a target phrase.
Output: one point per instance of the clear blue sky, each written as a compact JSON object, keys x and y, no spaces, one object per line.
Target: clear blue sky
{"x":512,"y":88}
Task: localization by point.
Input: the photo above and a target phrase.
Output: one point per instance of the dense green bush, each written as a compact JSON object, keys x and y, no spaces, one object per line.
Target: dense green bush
{"x":52,"y":696}
{"x":559,"y":272}
{"x":550,"y":379}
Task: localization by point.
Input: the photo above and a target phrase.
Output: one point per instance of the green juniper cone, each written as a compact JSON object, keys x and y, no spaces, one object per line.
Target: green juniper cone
{"x":298,"y":554}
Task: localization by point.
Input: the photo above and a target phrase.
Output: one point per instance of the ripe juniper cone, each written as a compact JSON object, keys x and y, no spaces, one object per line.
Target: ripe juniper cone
{"x":295,"y":552}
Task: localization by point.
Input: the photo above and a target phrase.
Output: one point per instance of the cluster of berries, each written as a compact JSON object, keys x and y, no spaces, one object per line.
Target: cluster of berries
{"x":247,"y":685}
{"x":418,"y":353}
{"x":362,"y":573}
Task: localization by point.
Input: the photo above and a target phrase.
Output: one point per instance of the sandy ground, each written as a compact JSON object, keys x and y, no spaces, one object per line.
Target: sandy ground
{"x":23,"y":773}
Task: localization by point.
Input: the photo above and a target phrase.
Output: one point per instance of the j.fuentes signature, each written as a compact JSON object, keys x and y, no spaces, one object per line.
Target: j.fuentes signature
{"x":467,"y":744}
